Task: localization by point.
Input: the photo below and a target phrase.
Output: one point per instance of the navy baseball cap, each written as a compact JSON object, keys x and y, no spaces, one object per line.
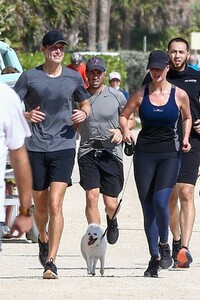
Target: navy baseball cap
{"x":158,"y":59}
{"x":53,"y":37}
{"x":95,"y":63}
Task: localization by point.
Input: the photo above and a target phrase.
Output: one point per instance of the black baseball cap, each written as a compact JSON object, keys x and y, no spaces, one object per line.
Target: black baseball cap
{"x":53,"y":37}
{"x":158,"y":59}
{"x":95,"y":63}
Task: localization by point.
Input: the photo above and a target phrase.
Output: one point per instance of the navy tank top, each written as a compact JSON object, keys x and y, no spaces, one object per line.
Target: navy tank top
{"x":159,"y":125}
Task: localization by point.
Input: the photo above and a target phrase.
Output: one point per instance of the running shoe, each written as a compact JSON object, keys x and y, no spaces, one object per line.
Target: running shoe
{"x":113,"y":231}
{"x":184,"y":258}
{"x":50,"y":270}
{"x":176,"y":246}
{"x":43,"y":251}
{"x":166,"y":261}
{"x":153,"y":268}
{"x":6,"y":232}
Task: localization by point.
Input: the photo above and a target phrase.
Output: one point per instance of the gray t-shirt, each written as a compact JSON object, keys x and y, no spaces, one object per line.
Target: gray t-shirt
{"x":56,"y":97}
{"x":105,"y":110}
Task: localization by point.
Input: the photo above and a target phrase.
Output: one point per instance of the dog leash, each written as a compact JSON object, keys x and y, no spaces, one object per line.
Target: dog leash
{"x":123,"y":191}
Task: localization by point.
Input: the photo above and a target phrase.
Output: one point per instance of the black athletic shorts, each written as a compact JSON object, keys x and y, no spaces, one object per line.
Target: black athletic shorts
{"x":190,"y":164}
{"x":100,"y":169}
{"x":49,"y":167}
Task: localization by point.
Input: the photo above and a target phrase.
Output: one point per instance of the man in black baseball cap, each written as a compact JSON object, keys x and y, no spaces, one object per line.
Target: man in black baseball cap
{"x":95,"y":63}
{"x":158,"y":59}
{"x":48,"y":91}
{"x":53,"y":37}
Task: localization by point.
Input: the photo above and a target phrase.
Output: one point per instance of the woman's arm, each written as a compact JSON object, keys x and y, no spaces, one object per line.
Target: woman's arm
{"x":132,"y":104}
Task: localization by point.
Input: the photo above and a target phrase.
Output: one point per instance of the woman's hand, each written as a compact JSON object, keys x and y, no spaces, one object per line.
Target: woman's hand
{"x":186,"y":146}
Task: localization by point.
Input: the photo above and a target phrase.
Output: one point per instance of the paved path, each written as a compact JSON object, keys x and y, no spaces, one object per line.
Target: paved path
{"x":126,"y":261}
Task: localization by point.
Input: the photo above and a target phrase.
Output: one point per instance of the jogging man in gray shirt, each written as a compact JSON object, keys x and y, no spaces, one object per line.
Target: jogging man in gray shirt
{"x":48,"y":92}
{"x":100,"y":152}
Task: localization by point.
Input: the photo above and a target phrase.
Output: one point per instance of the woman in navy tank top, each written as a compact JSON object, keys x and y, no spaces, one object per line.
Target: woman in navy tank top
{"x":157,"y":153}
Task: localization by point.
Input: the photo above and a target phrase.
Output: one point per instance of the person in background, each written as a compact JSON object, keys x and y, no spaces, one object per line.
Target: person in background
{"x":157,"y":153}
{"x":115,"y":80}
{"x":48,"y":92}
{"x":9,"y":70}
{"x":193,"y":62}
{"x":78,"y":64}
{"x":100,"y":151}
{"x":13,"y":131}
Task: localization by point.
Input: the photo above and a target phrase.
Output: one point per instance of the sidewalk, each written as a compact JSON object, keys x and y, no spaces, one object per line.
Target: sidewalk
{"x":126,"y":261}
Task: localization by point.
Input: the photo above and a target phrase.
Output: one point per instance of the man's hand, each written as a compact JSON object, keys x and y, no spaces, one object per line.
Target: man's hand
{"x":35,"y":115}
{"x":22,"y":224}
{"x":117,"y":136}
{"x":78,"y":116}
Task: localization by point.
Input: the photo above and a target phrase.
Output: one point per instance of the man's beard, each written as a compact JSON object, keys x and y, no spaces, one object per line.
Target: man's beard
{"x":180,"y":67}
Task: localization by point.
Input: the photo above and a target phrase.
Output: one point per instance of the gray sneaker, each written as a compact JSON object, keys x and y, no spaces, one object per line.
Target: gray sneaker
{"x":166,"y":261}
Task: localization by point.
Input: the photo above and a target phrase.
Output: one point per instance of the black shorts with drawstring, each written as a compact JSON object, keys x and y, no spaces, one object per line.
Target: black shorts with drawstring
{"x":100,"y":169}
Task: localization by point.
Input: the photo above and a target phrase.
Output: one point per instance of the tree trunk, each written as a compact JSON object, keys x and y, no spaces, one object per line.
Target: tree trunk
{"x":104,"y":24}
{"x":92,"y":25}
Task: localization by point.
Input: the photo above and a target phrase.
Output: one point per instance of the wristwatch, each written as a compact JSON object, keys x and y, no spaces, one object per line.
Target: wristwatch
{"x":26,"y":211}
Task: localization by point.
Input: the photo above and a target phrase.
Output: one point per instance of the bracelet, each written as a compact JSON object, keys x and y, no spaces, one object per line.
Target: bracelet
{"x":85,"y":113}
{"x":119,"y":129}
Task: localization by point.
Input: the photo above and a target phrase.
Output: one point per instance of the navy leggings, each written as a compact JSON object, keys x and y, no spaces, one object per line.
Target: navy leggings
{"x":155,"y":177}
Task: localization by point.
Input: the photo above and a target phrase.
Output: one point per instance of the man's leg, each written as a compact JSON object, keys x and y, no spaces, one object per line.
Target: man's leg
{"x":110,"y":205}
{"x":48,"y":208}
{"x":91,"y":209}
{"x":187,"y":211}
{"x":56,"y":221}
{"x":174,"y":214}
{"x":41,"y":213}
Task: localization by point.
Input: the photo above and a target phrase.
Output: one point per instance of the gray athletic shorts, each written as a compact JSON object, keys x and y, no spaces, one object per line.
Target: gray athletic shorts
{"x":50,"y":167}
{"x":101,"y":170}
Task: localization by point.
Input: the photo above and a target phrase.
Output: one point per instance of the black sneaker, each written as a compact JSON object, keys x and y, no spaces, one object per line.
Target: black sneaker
{"x":43,"y":251}
{"x":113,"y":231}
{"x":153,"y":268}
{"x":176,"y":246}
{"x":50,"y":270}
{"x":166,"y":260}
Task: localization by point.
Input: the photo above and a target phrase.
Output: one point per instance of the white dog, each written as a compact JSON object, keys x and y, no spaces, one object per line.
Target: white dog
{"x":93,"y":247}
